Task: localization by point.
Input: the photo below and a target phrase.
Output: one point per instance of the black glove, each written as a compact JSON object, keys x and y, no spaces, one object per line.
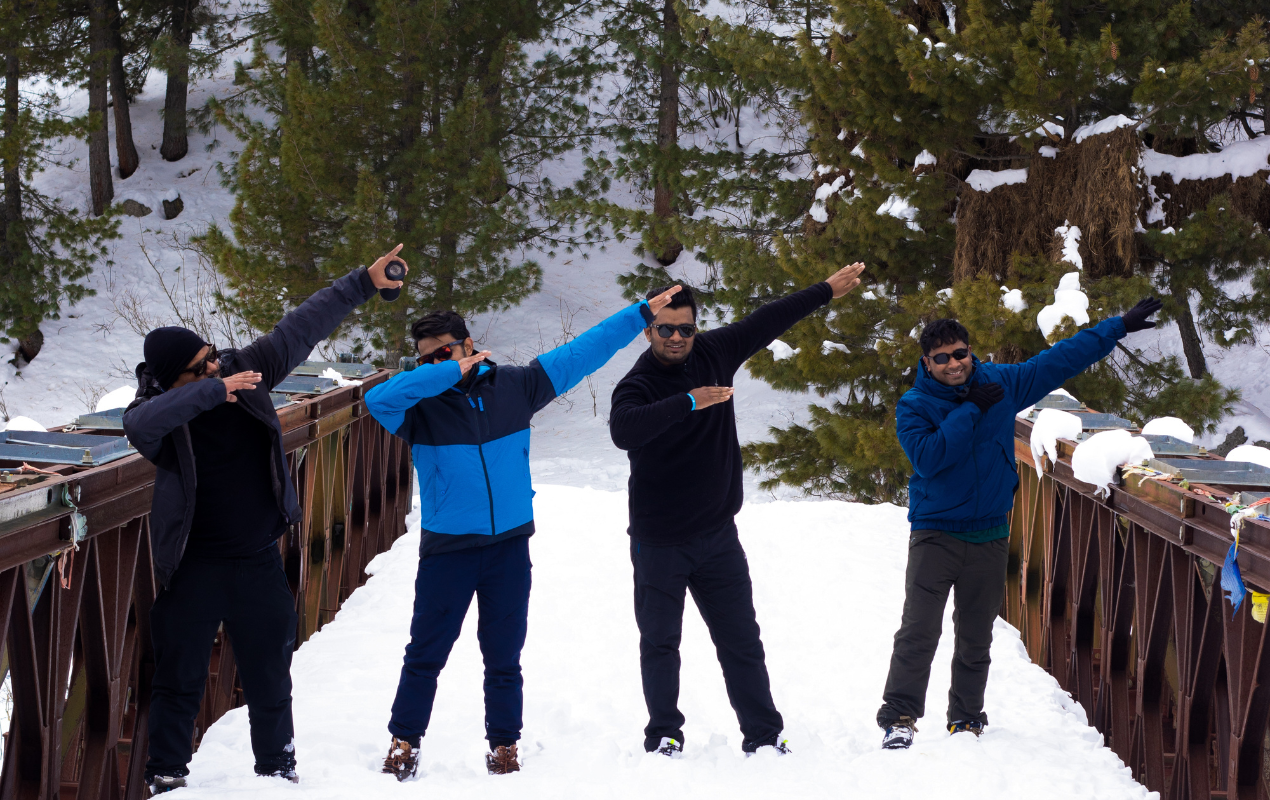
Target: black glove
{"x":985,"y":395}
{"x":1135,"y":319}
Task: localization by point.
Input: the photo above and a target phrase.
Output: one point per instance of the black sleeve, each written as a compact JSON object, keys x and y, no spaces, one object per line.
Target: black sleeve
{"x":147,"y":421}
{"x":635,"y":420}
{"x":745,"y":337}
{"x":275,"y":354}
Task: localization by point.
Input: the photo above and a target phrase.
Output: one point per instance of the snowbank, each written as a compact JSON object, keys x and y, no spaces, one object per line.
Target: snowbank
{"x":1102,"y":126}
{"x":1069,"y":302}
{"x":985,"y":180}
{"x":1251,"y":454}
{"x":24,"y":424}
{"x":119,"y":398}
{"x":1238,"y":160}
{"x":828,"y":589}
{"x":1050,"y":426}
{"x":1170,"y":426}
{"x":1096,"y":458}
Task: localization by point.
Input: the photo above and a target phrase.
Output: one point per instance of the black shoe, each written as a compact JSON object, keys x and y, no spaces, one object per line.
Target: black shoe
{"x":278,"y":772}
{"x":899,"y":734}
{"x":781,"y":746}
{"x":402,"y":760}
{"x":972,"y":725}
{"x":165,"y":783}
{"x":671,"y":748}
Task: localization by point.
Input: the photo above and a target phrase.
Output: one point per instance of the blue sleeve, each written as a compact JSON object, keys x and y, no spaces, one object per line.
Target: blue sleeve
{"x":932,"y":448}
{"x":568,"y":364}
{"x":147,"y":422}
{"x":1050,"y":369}
{"x":389,"y":401}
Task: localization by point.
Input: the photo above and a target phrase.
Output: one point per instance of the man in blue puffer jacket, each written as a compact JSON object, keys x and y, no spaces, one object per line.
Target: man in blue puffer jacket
{"x":956,"y":426}
{"x":468,"y":426}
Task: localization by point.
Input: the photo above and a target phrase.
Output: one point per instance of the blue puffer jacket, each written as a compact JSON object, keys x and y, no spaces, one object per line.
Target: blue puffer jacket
{"x":470,"y":442}
{"x":963,"y":458}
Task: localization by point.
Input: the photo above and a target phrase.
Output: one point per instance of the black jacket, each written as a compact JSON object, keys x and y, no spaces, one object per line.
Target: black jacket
{"x":156,"y":422}
{"x":686,"y":465}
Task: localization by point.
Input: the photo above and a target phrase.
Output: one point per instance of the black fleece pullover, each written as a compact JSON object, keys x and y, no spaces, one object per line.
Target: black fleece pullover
{"x":686,"y":465}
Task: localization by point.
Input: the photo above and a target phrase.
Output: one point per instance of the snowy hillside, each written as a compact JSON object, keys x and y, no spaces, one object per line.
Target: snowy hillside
{"x":827,"y":580}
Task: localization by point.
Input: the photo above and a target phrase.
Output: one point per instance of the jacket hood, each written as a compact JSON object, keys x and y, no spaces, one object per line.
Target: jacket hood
{"x":926,"y":383}
{"x":147,"y":385}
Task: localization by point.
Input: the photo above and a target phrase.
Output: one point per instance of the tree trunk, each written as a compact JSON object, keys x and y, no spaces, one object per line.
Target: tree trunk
{"x":12,"y":170}
{"x":1191,"y":345}
{"x":103,"y":188}
{"x":176,"y":142}
{"x":125,"y":147}
{"x":666,"y":247}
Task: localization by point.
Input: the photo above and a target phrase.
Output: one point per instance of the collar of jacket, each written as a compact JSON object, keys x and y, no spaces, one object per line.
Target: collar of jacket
{"x":484,"y":374}
{"x":648,"y":362}
{"x":926,"y":383}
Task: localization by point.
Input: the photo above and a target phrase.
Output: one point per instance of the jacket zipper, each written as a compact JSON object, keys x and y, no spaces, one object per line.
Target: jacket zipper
{"x":480,"y":450}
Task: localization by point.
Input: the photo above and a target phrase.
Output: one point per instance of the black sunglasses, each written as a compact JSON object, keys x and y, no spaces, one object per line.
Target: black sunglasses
{"x":442,"y":353}
{"x":942,"y":358}
{"x":667,"y":331}
{"x":200,"y":367}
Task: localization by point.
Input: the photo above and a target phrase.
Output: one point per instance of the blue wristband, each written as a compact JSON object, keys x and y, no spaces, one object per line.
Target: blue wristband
{"x":694,"y":401}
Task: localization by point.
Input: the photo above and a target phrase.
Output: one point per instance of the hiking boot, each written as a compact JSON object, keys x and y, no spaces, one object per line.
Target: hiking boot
{"x":899,"y":734}
{"x":165,"y":783}
{"x":402,"y":760}
{"x":671,"y":748}
{"x":278,"y":772}
{"x":502,"y":760}
{"x":781,"y":746}
{"x":972,"y":725}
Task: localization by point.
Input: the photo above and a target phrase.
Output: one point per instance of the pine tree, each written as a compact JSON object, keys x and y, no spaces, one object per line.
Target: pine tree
{"x":423,"y":123}
{"x":910,"y":98}
{"x":46,"y":247}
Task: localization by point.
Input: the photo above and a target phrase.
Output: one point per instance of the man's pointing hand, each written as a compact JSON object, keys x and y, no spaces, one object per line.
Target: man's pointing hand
{"x":845,"y":279}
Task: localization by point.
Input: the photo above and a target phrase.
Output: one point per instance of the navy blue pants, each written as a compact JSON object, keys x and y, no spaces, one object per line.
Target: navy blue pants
{"x":713,"y":567}
{"x":499,"y":576}
{"x":251,"y":597}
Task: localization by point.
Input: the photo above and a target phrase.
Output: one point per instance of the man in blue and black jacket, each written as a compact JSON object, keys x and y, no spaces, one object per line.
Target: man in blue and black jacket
{"x":956,"y":426}
{"x":222,"y":497}
{"x":468,"y":426}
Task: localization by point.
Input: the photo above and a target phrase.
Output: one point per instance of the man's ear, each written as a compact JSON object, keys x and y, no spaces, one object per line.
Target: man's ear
{"x":468,"y":346}
{"x":648,"y":334}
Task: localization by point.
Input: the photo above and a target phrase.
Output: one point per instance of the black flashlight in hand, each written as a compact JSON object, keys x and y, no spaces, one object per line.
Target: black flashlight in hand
{"x":394,"y":271}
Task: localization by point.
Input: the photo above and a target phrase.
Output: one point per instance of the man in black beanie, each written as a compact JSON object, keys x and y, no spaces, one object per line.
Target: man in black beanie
{"x":222,"y":497}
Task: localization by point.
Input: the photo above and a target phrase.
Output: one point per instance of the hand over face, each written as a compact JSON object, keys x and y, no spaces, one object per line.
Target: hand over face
{"x":845,"y":279}
{"x":1135,"y":319}
{"x":240,"y":381}
{"x":706,"y":396}
{"x":466,"y":364}
{"x":376,"y":270}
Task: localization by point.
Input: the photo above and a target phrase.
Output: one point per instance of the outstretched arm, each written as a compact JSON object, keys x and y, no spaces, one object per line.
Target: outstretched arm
{"x":933,"y":448}
{"x":1048,"y":370}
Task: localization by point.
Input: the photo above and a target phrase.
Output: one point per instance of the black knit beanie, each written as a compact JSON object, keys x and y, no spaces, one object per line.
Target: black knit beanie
{"x":169,"y":351}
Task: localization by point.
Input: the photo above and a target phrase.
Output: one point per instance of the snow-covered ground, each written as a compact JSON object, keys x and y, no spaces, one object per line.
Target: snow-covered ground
{"x":827,"y":585}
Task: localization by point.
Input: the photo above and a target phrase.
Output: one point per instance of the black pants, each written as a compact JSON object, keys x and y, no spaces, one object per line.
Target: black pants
{"x":251,"y":597}
{"x":714,"y":569}
{"x":975,"y":573}
{"x":499,"y":576}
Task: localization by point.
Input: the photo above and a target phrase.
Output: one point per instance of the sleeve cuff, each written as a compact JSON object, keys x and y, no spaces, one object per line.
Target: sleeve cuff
{"x":646,"y":313}
{"x":367,"y":285}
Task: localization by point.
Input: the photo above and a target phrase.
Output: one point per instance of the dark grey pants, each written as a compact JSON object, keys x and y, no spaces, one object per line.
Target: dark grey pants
{"x":975,"y":573}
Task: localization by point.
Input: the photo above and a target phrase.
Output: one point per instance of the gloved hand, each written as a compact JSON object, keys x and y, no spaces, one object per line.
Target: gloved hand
{"x":1135,"y":319}
{"x":985,"y":395}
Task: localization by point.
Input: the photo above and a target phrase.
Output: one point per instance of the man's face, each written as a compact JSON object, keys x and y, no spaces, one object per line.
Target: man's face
{"x":457,"y":348}
{"x":200,"y":368}
{"x":955,"y":371}
{"x":675,"y":349}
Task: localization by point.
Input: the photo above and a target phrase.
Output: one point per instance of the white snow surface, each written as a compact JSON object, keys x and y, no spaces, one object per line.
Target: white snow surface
{"x":1170,"y":426}
{"x":782,"y":351}
{"x":827,"y":347}
{"x":118,"y":398}
{"x":1051,"y":425}
{"x":1106,"y":125}
{"x":1238,"y":160}
{"x":898,"y":207}
{"x":925,"y":158}
{"x":1096,"y":459}
{"x":1071,"y":244}
{"x":1251,"y":454}
{"x":24,"y":424}
{"x":1069,"y":302}
{"x":584,"y":710}
{"x":985,"y":180}
{"x":1013,"y":300}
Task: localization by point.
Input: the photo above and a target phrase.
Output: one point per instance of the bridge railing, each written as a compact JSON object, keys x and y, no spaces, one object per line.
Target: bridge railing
{"x":74,"y":623}
{"x":1120,"y":598}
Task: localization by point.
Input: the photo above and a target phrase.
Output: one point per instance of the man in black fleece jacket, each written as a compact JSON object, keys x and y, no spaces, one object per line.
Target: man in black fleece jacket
{"x":673,"y":415}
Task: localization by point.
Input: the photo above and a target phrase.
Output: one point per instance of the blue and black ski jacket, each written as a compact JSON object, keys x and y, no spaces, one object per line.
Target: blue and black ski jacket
{"x":470,"y":439}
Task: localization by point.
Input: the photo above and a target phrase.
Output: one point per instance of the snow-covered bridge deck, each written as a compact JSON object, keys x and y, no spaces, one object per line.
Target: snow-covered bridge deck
{"x":828,"y":586}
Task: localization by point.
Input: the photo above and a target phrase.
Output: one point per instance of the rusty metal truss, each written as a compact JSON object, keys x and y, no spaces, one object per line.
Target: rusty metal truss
{"x":74,"y":622}
{"x":1119,"y":597}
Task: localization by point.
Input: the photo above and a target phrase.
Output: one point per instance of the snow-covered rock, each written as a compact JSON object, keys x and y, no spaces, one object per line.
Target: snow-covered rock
{"x":782,"y":351}
{"x":1250,"y":454}
{"x":1170,"y":426}
{"x":1069,"y":302}
{"x":1051,"y":425}
{"x":1096,"y":459}
{"x":119,"y":398}
{"x":24,"y":424}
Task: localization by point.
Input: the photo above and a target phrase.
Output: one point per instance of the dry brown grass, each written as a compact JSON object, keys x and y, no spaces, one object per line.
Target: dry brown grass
{"x":1250,"y":196}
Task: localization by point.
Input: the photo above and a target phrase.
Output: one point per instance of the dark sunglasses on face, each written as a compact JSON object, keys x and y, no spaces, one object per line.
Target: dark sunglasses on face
{"x":667,"y":331}
{"x":442,"y":353}
{"x":942,"y":358}
{"x":200,"y":367}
